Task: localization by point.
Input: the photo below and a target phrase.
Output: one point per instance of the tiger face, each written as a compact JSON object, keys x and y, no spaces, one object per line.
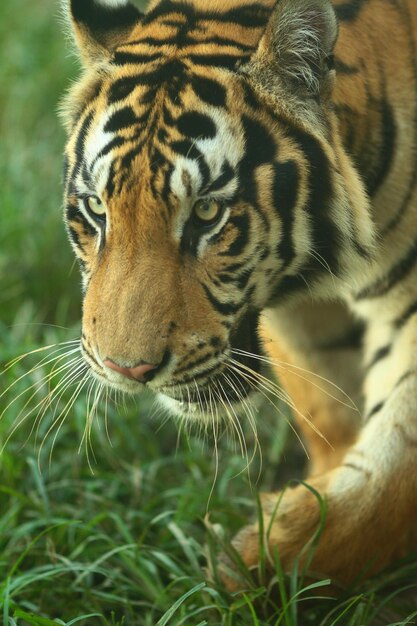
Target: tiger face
{"x":204,"y":180}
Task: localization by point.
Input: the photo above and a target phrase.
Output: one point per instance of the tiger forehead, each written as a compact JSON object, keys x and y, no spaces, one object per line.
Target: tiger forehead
{"x":183,"y":29}
{"x":166,"y":135}
{"x":168,"y":100}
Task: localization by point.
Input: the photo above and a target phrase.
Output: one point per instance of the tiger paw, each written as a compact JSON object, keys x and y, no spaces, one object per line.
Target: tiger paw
{"x":332,"y":527}
{"x":291,"y":522}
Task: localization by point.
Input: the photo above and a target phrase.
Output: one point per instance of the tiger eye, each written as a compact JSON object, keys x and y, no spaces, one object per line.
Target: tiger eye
{"x":95,"y":206}
{"x":207,"y":211}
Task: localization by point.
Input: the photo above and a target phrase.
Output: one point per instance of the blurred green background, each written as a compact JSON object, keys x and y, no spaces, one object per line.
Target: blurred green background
{"x":36,"y":265}
{"x":116,"y":534}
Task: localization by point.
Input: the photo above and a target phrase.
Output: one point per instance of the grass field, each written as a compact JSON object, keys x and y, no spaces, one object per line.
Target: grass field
{"x":120,"y":529}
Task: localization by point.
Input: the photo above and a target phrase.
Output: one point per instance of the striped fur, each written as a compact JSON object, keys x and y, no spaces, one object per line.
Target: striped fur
{"x":298,"y":119}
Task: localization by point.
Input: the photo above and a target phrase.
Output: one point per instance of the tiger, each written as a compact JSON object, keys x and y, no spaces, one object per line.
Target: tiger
{"x":240,"y":186}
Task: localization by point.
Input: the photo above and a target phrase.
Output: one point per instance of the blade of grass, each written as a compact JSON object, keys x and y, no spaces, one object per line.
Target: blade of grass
{"x":167,"y":616}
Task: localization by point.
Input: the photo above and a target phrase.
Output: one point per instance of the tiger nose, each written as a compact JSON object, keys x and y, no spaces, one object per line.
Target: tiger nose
{"x":143,"y":372}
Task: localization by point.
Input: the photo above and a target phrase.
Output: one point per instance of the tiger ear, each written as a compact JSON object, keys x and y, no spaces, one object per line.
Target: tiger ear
{"x":297,"y":45}
{"x":101,"y":25}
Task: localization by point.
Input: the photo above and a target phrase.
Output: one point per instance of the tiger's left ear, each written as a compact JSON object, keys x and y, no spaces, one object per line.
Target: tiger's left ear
{"x":297,"y":46}
{"x":101,"y":25}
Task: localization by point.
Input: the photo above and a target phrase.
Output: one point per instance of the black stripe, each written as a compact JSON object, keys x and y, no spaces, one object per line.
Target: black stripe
{"x":260,"y":148}
{"x":250,"y":97}
{"x":116,"y":142}
{"x":234,"y":267}
{"x":408,"y":374}
{"x":386,"y":149}
{"x":242,"y":224}
{"x":343,"y":68}
{"x":250,"y":16}
{"x":73,"y":214}
{"x":399,"y":271}
{"x":121,"y":119}
{"x":376,"y":409}
{"x":80,"y":143}
{"x":349,"y":11}
{"x":192,"y":364}
{"x":193,"y":378}
{"x":285,"y":194}
{"x":163,"y":73}
{"x":408,"y":313}
{"x":130,"y":156}
{"x":196,"y":125}
{"x":166,"y":7}
{"x":326,"y":236}
{"x":208,"y":90}
{"x":147,"y":41}
{"x":228,"y":61}
{"x":104,"y":18}
{"x":189,"y":150}
{"x":122,"y":88}
{"x":393,"y":223}
{"x":379,"y":355}
{"x":347,"y":121}
{"x":219,"y":42}
{"x":75,"y":238}
{"x":225,"y":308}
{"x":134,"y":58}
{"x":259,"y":144}
{"x":240,"y":280}
{"x":224,"y":179}
{"x":111,"y":184}
{"x":166,"y":190}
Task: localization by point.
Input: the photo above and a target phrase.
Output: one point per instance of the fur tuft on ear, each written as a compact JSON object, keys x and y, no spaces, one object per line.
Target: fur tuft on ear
{"x":102,"y":25}
{"x":298,"y":44}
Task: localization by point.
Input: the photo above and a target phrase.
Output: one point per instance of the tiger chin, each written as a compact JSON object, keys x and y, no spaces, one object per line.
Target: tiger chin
{"x":240,"y":173}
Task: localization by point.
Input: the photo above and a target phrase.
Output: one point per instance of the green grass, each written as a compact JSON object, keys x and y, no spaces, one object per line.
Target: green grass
{"x":126,"y":537}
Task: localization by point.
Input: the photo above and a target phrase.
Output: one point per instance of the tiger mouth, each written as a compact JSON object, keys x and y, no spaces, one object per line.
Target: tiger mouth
{"x":229,"y":382}
{"x":234,"y":380}
{"x":219,"y":389}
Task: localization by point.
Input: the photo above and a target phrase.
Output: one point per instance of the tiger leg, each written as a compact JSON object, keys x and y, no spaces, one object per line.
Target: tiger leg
{"x":371,"y":496}
{"x":319,"y":366}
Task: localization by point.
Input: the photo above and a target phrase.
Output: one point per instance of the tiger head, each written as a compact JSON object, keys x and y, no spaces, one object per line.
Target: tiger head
{"x":204,"y":182}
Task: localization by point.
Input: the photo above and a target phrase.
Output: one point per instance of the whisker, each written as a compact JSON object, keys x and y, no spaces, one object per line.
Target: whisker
{"x":286,"y":365}
{"x":19,"y":358}
{"x":84,"y":439}
{"x":38,"y":407}
{"x":60,"y":420}
{"x":106,"y":417}
{"x":236,"y":426}
{"x":216,"y":450}
{"x":252,"y":379}
{"x":253,"y":426}
{"x":37,"y":385}
{"x":273,"y":388}
{"x":43,"y":363}
{"x":233,"y":421}
{"x":56,"y":394}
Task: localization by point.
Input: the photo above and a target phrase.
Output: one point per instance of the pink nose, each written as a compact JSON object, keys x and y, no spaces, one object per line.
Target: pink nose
{"x":139,"y":372}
